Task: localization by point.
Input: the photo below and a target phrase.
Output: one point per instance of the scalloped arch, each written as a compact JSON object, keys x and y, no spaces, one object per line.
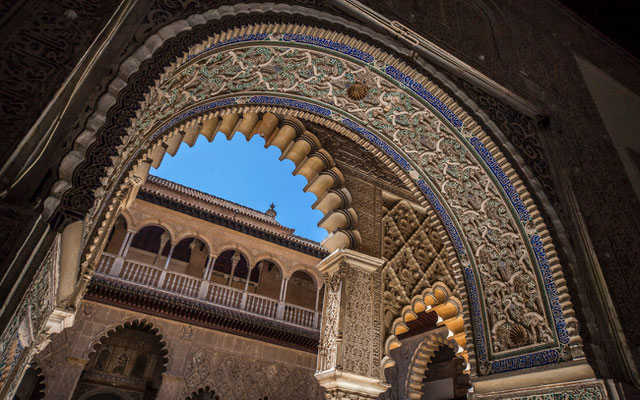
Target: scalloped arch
{"x":507,"y":196}
{"x":450,"y":313}
{"x":113,"y":328}
{"x":295,"y":143}
{"x":202,"y":391}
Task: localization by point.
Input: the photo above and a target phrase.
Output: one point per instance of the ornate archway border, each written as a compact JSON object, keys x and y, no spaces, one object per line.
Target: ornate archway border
{"x":499,"y":169}
{"x":202,"y":390}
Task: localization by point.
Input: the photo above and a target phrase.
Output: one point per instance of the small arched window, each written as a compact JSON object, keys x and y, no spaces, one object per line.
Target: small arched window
{"x":139,"y":366}
{"x":102,"y":360}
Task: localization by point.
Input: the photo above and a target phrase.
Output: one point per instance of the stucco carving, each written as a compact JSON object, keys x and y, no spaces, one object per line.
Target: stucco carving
{"x":590,"y":389}
{"x":233,"y":377}
{"x":328,"y":348}
{"x":416,"y":259}
{"x":27,"y":330}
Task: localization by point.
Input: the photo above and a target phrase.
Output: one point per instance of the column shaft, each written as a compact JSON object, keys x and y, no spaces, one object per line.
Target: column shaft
{"x":166,"y":263}
{"x":124,"y":243}
{"x":129,"y":241}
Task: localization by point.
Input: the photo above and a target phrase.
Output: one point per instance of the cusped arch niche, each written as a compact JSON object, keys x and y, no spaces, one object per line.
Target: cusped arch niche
{"x":134,"y":349}
{"x":501,"y":243}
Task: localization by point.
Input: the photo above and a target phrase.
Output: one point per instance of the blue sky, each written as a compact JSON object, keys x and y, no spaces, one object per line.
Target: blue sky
{"x":248,"y":174}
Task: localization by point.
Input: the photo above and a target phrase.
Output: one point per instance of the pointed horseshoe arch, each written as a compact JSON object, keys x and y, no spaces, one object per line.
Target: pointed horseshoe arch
{"x":513,"y":277}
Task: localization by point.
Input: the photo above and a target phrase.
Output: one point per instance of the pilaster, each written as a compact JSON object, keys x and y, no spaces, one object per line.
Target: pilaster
{"x":351,"y":333}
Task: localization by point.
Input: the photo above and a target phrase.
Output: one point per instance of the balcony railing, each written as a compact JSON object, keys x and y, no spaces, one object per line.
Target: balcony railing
{"x":207,"y":291}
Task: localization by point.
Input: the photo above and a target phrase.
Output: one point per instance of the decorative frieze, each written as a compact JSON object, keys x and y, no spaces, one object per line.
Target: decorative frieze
{"x":590,"y":389}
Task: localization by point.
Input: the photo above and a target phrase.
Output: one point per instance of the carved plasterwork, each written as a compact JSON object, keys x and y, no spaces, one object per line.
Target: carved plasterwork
{"x":27,"y":330}
{"x":444,"y":153}
{"x":349,"y":357}
{"x":351,"y":339}
{"x":416,"y":258}
{"x":361,"y":332}
{"x":591,"y":389}
{"x":328,"y":348}
{"x":41,"y":47}
{"x":233,"y":377}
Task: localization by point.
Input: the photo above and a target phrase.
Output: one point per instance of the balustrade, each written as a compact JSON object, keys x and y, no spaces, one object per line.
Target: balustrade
{"x":105,"y":264}
{"x":224,"y":295}
{"x":181,"y":284}
{"x":140,"y":273}
{"x":299,"y":315}
{"x":186,"y":285}
{"x":262,"y":305}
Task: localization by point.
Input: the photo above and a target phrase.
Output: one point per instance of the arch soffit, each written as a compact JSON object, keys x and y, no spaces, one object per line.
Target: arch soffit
{"x":421,"y":358}
{"x":519,"y":197}
{"x":278,"y":265}
{"x":104,"y":390}
{"x":128,"y":219}
{"x":274,"y":259}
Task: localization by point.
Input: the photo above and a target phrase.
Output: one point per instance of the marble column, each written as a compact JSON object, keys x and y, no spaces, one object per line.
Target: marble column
{"x":163,"y":274}
{"x":168,"y":260}
{"x":204,"y":284}
{"x":127,"y":244}
{"x":234,"y":262}
{"x":118,"y":263}
{"x":283,"y":295}
{"x":316,"y":316}
{"x":163,"y":241}
{"x":352,"y":330}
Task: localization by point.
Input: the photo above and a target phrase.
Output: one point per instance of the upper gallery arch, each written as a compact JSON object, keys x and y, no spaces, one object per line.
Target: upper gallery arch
{"x":503,"y":245}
